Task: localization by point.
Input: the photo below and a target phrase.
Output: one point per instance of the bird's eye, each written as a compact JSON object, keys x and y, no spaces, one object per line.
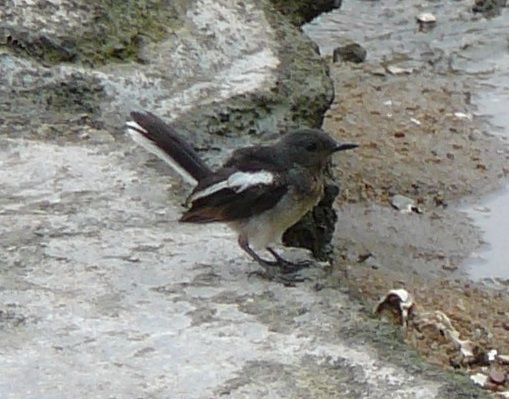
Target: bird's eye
{"x":311,"y":147}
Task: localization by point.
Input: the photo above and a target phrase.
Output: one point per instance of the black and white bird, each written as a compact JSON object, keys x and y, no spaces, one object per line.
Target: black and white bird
{"x":260,"y":191}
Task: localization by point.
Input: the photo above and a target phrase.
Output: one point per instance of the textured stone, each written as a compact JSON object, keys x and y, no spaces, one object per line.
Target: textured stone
{"x":301,"y":11}
{"x":226,"y":74}
{"x":352,"y":52}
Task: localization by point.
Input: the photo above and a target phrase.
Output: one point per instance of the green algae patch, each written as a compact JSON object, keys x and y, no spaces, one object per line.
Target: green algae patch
{"x":122,"y":27}
{"x":109,"y":31}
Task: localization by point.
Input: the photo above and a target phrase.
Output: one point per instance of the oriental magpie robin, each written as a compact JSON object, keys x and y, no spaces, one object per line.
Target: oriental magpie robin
{"x":260,"y":191}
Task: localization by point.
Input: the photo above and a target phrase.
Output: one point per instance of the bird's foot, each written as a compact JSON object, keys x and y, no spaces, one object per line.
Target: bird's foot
{"x":279,"y":269}
{"x":289,"y":267}
{"x":282,"y":270}
{"x":273,"y":274}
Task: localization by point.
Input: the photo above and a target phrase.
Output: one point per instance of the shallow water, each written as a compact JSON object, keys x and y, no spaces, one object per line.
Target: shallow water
{"x":462,"y":44}
{"x":491,"y":213}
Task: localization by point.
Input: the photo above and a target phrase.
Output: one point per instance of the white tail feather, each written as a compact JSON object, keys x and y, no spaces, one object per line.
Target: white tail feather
{"x":134,"y":130}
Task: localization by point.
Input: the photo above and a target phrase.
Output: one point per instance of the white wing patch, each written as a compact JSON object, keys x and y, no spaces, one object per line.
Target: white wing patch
{"x":134,"y":130}
{"x":238,"y":182}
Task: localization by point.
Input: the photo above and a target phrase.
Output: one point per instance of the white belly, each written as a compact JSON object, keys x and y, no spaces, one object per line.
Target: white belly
{"x":268,"y":227}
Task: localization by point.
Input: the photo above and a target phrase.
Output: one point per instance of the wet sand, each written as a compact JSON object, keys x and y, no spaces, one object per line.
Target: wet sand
{"x":430,"y":131}
{"x":418,"y":139}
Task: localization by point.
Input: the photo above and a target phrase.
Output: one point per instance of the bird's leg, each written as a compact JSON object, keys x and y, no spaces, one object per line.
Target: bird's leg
{"x":244,"y":244}
{"x":289,"y":266}
{"x":271,"y":267}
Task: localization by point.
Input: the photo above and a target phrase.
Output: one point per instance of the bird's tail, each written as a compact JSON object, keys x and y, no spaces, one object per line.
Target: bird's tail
{"x":162,"y":140}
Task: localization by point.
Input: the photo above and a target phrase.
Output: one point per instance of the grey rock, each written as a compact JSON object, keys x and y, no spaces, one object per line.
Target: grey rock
{"x":352,"y":52}
{"x":226,"y":74}
{"x":489,"y":7}
{"x":94,"y":307}
{"x":302,"y":11}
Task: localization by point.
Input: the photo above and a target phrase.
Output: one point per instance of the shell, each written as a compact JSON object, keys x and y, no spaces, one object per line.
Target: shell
{"x":426,"y":18}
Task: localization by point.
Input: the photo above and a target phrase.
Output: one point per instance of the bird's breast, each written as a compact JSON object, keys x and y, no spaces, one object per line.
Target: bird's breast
{"x":269,"y":226}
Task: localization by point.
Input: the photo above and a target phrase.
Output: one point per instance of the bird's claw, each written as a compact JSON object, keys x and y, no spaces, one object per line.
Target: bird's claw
{"x":289,"y":267}
{"x":288,"y":279}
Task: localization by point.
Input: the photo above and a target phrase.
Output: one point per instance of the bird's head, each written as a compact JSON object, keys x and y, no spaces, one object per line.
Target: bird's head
{"x":311,"y":148}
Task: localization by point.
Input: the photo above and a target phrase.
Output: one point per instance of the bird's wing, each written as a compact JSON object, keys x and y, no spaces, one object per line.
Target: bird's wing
{"x":232,"y":194}
{"x":255,"y":158}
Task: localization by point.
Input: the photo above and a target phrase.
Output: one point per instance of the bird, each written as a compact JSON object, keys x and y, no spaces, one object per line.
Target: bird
{"x":259,"y":191}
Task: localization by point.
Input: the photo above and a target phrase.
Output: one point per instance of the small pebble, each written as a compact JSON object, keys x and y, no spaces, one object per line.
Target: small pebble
{"x":497,"y":376}
{"x":479,"y":379}
{"x":475,"y":135}
{"x":363,"y":257}
{"x":396,"y":70}
{"x":504,"y":359}
{"x":462,"y":115}
{"x":352,"y":52}
{"x":492,"y":355}
{"x":449,"y":267}
{"x":489,"y":7}
{"x":404,"y":204}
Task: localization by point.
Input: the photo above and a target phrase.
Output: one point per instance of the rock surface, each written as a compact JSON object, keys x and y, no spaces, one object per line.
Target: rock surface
{"x":225,"y":74}
{"x":105,"y":295}
{"x":250,"y":73}
{"x":301,"y":11}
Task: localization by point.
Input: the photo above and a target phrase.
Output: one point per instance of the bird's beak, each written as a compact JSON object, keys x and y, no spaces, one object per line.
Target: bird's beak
{"x":343,"y":147}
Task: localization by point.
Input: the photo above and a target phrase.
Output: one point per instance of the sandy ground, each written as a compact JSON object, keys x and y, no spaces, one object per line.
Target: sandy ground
{"x":419,"y":139}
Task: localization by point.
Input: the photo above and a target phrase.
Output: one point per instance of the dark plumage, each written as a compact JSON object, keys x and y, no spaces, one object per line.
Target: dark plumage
{"x":260,"y":191}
